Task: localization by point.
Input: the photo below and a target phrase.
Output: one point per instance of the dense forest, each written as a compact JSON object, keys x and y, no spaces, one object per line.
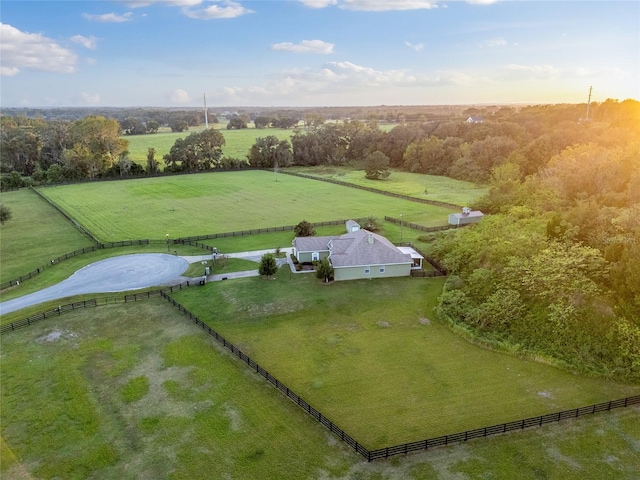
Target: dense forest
{"x":551,"y":273}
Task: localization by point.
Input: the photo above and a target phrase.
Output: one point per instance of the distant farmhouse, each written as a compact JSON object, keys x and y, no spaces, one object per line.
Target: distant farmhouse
{"x":357,"y":254}
{"x":466,"y":217}
{"x":475,"y":119}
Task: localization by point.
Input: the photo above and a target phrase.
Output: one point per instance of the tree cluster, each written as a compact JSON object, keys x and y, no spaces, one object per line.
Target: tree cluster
{"x":554,"y":271}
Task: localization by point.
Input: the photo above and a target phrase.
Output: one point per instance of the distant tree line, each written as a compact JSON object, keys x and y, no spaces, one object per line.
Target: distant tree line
{"x":527,"y":138}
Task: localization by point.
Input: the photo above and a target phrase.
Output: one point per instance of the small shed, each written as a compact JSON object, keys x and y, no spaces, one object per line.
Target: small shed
{"x":352,"y":226}
{"x":466,"y":217}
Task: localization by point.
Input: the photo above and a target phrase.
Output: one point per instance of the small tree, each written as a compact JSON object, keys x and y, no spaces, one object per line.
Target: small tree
{"x":376,"y":166}
{"x":304,"y":229}
{"x":268,"y":265}
{"x":5,"y":214}
{"x":371,"y":224}
{"x":324,"y":270}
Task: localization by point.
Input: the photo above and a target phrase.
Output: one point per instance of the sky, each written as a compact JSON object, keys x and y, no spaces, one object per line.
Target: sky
{"x":276,"y":53}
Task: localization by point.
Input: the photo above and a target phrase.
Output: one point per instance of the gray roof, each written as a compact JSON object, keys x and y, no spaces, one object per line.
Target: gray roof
{"x":312,"y":244}
{"x":364,"y":248}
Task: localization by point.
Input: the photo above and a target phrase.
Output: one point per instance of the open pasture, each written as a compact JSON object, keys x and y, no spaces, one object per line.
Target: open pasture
{"x":371,"y":357}
{"x":188,"y":205}
{"x":35,"y":234}
{"x":238,"y":142}
{"x":137,"y":391}
{"x":418,"y":185}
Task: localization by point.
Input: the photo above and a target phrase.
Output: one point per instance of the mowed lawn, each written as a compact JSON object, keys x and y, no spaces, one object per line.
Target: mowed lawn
{"x":237,"y":142}
{"x":371,"y":357}
{"x":35,"y":234}
{"x":189,"y":205}
{"x":428,"y":187}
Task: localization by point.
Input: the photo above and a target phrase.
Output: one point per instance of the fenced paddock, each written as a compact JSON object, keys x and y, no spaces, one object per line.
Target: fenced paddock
{"x":370,"y":455}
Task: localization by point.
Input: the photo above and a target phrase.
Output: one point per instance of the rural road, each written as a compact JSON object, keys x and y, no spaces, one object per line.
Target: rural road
{"x":128,"y":272}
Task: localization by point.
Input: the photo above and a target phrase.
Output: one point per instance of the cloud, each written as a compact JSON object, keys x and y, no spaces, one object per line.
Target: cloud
{"x":482,"y":2}
{"x":169,"y":3}
{"x":87,"y":42}
{"x":495,"y":42}
{"x":22,"y":50}
{"x":417,"y":48}
{"x":88,"y":98}
{"x":319,"y":3}
{"x":228,"y":9}
{"x":179,"y":96}
{"x":305,"y":46}
{"x":525,"y":72}
{"x":109,"y":17}
{"x":387,"y":5}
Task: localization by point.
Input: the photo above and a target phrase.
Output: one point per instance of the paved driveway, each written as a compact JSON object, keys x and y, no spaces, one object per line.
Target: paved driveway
{"x":117,"y":274}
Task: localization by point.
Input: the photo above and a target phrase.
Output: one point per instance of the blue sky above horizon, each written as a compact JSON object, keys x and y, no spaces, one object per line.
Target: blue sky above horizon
{"x":316,"y":52}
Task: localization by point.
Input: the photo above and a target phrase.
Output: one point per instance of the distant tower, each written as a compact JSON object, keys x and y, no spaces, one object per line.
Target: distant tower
{"x":588,"y":103}
{"x":206,"y":114}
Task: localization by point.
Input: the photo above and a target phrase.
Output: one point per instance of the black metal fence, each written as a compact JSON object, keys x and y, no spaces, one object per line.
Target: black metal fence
{"x":375,"y":190}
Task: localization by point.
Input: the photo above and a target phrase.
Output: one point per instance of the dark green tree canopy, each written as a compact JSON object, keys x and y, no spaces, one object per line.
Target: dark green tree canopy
{"x":376,"y":166}
{"x":304,"y":229}
{"x":197,"y":152}
{"x":268,"y":265}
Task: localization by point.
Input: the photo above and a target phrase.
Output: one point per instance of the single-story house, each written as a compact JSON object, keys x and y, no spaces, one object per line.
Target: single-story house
{"x":466,"y":217}
{"x":358,"y":254}
{"x":475,"y":119}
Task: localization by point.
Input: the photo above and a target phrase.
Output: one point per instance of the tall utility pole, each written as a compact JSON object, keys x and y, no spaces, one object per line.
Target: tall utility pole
{"x":589,"y":103}
{"x":206,"y":114}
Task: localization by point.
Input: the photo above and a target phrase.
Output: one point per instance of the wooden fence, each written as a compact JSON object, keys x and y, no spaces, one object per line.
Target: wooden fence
{"x":375,"y":190}
{"x":501,"y":428}
{"x":271,"y":379}
{"x":94,"y":302}
{"x":332,"y":427}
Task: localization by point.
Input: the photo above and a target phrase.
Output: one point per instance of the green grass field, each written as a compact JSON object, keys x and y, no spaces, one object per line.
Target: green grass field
{"x":429,"y":187}
{"x":35,"y":234}
{"x":137,"y":391}
{"x":371,"y":356}
{"x":206,"y":203}
{"x":238,"y":142}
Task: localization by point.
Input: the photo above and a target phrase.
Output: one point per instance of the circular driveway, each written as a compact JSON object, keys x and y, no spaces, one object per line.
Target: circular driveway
{"x":117,"y":274}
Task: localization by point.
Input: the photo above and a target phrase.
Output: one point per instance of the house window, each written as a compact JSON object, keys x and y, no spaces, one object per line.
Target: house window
{"x":315,"y":256}
{"x":382,"y":269}
{"x":367,"y":270}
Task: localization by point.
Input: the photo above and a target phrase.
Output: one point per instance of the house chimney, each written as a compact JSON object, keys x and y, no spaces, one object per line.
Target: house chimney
{"x":371,"y":238}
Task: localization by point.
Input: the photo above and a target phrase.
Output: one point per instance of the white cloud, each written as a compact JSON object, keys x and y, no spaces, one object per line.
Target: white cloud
{"x":387,"y":5}
{"x":482,"y":2}
{"x":109,"y":17}
{"x":22,"y":50}
{"x":170,"y":3}
{"x":226,"y":9}
{"x":179,"y":96}
{"x":90,"y":98}
{"x":524,"y":72}
{"x":319,"y":3}
{"x":87,"y":42}
{"x":305,"y":46}
{"x":495,"y":42}
{"x":419,"y":47}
